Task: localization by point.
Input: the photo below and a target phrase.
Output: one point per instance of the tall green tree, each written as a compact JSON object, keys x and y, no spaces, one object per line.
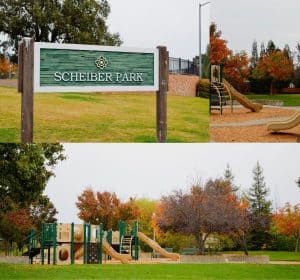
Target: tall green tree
{"x":228,"y":176}
{"x":254,"y":55}
{"x":260,"y":207}
{"x":271,"y":47}
{"x":68,"y":21}
{"x":262,"y":50}
{"x":24,"y":173}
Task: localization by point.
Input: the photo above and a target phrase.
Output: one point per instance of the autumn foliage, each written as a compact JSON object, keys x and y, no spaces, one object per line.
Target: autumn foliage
{"x":6,"y":67}
{"x":218,"y":47}
{"x":203,"y":211}
{"x":236,"y":66}
{"x":16,"y":224}
{"x":275,"y":66}
{"x":287,"y":222}
{"x":237,"y":70}
{"x":105,"y":208}
{"x":218,"y":50}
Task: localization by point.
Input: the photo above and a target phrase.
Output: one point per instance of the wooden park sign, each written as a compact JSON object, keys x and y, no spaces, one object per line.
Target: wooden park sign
{"x":48,"y":67}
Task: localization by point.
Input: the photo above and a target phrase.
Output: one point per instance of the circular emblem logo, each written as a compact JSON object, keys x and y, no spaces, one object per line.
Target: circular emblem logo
{"x":101,"y":62}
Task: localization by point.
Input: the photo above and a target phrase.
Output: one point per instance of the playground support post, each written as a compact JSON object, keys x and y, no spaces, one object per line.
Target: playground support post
{"x":101,"y":235}
{"x":72,"y":244}
{"x":161,"y":95}
{"x":136,"y":241}
{"x":54,"y":244}
{"x":25,"y":87}
{"x":84,"y":244}
{"x":43,"y":244}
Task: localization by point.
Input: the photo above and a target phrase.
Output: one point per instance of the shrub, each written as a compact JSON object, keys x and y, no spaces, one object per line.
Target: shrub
{"x":203,"y":87}
{"x":6,"y":68}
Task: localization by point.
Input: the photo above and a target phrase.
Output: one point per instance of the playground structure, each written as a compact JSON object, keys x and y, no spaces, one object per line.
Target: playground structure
{"x":65,"y":244}
{"x":284,"y":125}
{"x":222,"y":93}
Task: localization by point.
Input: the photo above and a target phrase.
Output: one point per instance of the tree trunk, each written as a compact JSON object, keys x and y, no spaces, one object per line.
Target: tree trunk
{"x":244,"y":244}
{"x":273,"y":88}
{"x":201,"y":238}
{"x":297,"y":244}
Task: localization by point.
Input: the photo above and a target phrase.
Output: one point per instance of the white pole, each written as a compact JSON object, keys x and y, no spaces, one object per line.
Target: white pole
{"x":200,"y":41}
{"x":200,"y":37}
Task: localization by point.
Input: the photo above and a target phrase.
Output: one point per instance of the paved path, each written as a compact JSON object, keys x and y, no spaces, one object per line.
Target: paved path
{"x":250,"y":123}
{"x":286,"y":262}
{"x":8,"y":83}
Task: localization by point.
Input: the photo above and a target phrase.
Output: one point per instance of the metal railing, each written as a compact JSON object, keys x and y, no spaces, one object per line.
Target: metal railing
{"x":182,"y":66}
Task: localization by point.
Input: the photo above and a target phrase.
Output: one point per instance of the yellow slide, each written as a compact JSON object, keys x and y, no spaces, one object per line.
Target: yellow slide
{"x":114,"y":254}
{"x":155,"y":246}
{"x":242,"y":99}
{"x":285,"y":125}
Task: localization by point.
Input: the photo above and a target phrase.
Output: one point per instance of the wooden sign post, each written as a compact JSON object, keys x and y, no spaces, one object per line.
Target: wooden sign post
{"x":25,"y":87}
{"x":48,"y":67}
{"x":161,"y":95}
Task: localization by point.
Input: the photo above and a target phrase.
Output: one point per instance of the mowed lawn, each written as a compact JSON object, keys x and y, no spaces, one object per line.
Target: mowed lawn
{"x":288,"y":99}
{"x":145,"y":272}
{"x":77,"y":117}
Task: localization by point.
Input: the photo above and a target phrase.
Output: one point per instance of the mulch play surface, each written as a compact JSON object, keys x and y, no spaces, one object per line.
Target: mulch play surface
{"x":241,"y":126}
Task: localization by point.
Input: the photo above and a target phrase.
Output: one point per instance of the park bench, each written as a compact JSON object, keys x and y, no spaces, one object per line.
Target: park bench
{"x":189,"y":251}
{"x":156,"y":255}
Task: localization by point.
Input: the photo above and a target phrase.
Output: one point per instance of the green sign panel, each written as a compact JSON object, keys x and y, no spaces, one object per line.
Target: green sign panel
{"x":83,"y":68}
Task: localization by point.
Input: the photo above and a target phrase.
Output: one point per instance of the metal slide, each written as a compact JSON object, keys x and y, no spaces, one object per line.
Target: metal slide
{"x":155,"y":246}
{"x":242,"y":99}
{"x":114,"y":254}
{"x":285,"y":125}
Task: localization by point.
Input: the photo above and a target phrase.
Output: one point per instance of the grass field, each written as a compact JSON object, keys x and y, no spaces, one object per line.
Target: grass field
{"x":288,"y":99}
{"x":141,"y":272}
{"x":76,"y":117}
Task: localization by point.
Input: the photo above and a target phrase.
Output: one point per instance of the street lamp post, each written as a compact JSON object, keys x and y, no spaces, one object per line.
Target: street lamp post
{"x":200,"y":37}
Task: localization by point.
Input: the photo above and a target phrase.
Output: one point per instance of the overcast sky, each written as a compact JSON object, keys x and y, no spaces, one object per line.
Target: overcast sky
{"x":173,"y":23}
{"x":243,"y":21}
{"x":142,"y":170}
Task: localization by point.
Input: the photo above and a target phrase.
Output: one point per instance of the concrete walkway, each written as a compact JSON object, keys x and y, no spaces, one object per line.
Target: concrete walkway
{"x":250,"y":123}
{"x":286,"y":262}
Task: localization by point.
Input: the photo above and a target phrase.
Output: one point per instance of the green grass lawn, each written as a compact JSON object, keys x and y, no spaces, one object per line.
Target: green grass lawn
{"x":141,"y":272}
{"x":76,"y":117}
{"x":288,"y":99}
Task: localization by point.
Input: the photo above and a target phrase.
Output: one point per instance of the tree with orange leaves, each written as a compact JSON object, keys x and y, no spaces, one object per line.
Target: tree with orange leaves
{"x":237,"y":70}
{"x":6,"y":67}
{"x":287,"y":222}
{"x":105,"y":208}
{"x":219,"y":51}
{"x":274,"y":66}
{"x":15,"y":225}
{"x":236,"y":66}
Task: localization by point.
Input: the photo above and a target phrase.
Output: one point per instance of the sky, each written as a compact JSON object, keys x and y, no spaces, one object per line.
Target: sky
{"x":173,"y":23}
{"x":152,"y":170}
{"x":241,"y":22}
